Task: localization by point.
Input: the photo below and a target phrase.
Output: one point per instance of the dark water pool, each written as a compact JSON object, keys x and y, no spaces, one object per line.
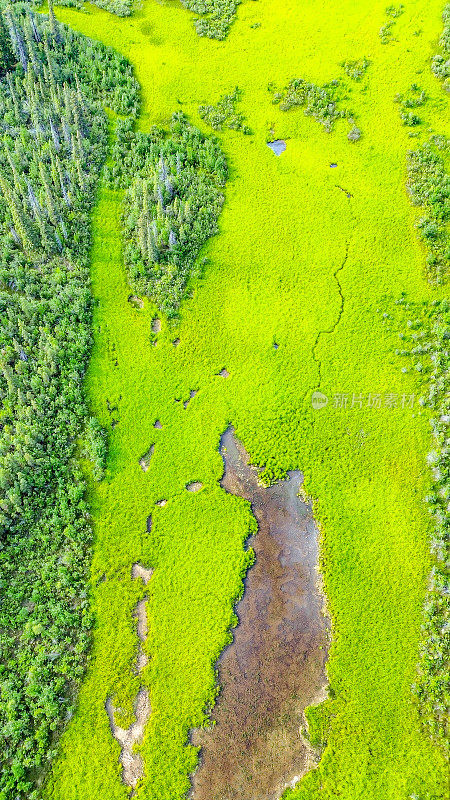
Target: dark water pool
{"x":275,"y":666}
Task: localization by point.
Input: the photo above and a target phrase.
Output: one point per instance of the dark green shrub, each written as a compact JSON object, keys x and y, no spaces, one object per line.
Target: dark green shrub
{"x":320,"y":102}
{"x":216,"y":16}
{"x":441,"y":61}
{"x":224,"y":114}
{"x":429,"y":186}
{"x":96,"y":447}
{"x":356,"y":69}
{"x":427,"y":345}
{"x":409,"y":119}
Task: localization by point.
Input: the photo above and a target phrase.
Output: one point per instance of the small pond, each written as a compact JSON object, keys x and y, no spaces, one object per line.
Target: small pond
{"x":278,"y":146}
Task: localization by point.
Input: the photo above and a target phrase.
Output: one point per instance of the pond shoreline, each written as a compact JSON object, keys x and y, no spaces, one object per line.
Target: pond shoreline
{"x":275,"y":666}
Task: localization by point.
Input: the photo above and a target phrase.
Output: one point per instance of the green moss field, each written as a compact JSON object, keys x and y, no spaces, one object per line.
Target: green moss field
{"x":299,"y":264}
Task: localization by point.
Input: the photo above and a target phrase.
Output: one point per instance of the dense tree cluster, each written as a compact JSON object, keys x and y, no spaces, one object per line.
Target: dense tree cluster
{"x":224,"y":114}
{"x":174,"y":194}
{"x":320,"y":102}
{"x":122,"y":8}
{"x":429,"y":187}
{"x":216,"y":16}
{"x":53,"y":139}
{"x":441,"y":62}
{"x":427,"y":343}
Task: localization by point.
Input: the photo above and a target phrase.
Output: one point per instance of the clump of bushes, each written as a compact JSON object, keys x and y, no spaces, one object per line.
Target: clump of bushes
{"x":53,"y":141}
{"x":96,"y":447}
{"x":427,"y":344}
{"x":429,"y":186}
{"x":409,"y":119}
{"x":122,"y":8}
{"x":320,"y":102}
{"x":174,"y":194}
{"x":356,"y":69}
{"x":224,"y":114}
{"x":354,"y":134}
{"x":216,"y":16}
{"x":441,"y":62}
{"x":414,"y":98}
{"x":385,"y":33}
{"x":395,"y":11}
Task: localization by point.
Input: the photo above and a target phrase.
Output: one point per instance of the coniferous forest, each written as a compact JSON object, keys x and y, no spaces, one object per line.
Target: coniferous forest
{"x":53,"y":143}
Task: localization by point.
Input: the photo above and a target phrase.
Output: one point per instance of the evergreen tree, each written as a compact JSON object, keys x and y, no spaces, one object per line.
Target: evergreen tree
{"x":14,"y":98}
{"x":30,"y":44}
{"x":55,"y":135}
{"x":48,"y":195}
{"x":34,"y":27}
{"x":53,"y":23}
{"x":7,"y":59}
{"x":22,"y":222}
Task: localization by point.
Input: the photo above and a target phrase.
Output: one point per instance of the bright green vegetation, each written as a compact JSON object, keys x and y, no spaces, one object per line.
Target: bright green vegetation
{"x":224,"y":114}
{"x":300,"y":264}
{"x":174,"y":196}
{"x":441,"y":63}
{"x":427,"y":344}
{"x":53,"y":143}
{"x":429,"y":187}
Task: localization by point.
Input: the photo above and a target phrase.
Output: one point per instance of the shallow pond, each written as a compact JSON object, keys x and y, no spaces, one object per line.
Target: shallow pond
{"x":275,"y":666}
{"x":278,"y":146}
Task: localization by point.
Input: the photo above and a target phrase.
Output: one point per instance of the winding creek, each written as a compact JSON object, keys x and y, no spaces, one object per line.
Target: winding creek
{"x":275,"y":666}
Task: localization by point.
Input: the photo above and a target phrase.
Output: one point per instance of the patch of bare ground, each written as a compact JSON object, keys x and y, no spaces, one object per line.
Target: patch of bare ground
{"x":192,"y":394}
{"x":145,"y":460}
{"x":275,"y":666}
{"x":156,"y":325}
{"x":194,"y":486}
{"x":132,"y":764}
{"x":138,"y":571}
{"x":157,"y":424}
{"x":135,"y":301}
{"x":224,"y":373}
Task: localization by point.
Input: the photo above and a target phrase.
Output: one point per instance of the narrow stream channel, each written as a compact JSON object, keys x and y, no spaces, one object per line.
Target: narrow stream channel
{"x":275,"y":666}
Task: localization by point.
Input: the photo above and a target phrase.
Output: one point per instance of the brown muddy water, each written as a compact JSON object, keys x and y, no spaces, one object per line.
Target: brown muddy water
{"x":275,"y":666}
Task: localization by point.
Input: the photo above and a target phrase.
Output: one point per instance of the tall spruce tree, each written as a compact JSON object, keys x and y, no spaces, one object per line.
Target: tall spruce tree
{"x":7,"y":59}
